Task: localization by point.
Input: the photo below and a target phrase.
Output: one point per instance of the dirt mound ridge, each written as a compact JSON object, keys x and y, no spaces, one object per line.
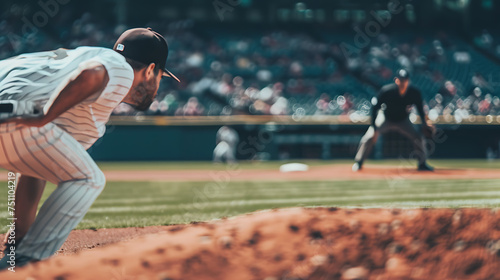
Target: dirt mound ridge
{"x":297,"y":243}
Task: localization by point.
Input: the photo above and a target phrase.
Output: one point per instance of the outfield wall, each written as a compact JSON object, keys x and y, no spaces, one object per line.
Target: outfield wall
{"x":169,"y":139}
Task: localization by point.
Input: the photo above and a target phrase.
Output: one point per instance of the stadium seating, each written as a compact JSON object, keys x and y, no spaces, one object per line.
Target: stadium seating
{"x":229,"y":70}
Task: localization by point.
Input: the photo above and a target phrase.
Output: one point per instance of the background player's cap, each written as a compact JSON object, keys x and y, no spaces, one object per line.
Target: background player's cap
{"x":146,"y":46}
{"x":403,"y":74}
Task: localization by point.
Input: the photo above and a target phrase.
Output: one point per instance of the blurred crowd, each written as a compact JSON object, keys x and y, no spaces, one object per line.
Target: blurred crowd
{"x":489,"y":42}
{"x":456,"y":81}
{"x":227,"y":71}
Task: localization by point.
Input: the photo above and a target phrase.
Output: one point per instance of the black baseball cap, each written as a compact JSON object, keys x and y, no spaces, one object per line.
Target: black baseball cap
{"x":146,"y":46}
{"x":403,"y":74}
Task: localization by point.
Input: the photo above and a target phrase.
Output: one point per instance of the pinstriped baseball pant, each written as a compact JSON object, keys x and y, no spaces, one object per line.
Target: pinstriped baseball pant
{"x":51,"y":154}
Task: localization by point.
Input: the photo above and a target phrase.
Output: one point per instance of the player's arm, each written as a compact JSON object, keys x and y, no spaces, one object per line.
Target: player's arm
{"x":376,"y":107}
{"x":90,"y":78}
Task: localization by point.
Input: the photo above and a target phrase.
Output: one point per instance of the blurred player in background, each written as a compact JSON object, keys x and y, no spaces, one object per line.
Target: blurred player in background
{"x":227,"y":140}
{"x":55,"y":105}
{"x":396,"y":101}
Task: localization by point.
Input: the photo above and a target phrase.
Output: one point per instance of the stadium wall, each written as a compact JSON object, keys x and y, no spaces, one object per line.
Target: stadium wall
{"x":286,"y":140}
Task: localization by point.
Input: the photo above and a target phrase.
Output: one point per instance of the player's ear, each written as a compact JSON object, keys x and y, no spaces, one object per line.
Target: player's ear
{"x":150,"y":70}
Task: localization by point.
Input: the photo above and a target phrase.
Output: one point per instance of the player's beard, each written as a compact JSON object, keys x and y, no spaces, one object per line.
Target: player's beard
{"x":144,"y":94}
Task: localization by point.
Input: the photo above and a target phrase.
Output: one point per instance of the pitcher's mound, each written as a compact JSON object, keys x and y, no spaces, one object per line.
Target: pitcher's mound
{"x":297,"y":243}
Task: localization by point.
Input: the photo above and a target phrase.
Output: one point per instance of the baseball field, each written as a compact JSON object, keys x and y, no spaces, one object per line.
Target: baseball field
{"x":373,"y":224}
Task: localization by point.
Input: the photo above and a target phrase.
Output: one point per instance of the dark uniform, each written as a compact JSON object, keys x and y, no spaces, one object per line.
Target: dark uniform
{"x":396,"y":108}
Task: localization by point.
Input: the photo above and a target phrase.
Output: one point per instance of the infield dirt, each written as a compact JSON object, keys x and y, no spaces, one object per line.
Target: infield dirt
{"x":315,"y":173}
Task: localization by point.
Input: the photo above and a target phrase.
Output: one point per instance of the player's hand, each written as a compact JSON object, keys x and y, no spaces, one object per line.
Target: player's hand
{"x":428,"y":130}
{"x":30,"y":120}
{"x":429,"y":123}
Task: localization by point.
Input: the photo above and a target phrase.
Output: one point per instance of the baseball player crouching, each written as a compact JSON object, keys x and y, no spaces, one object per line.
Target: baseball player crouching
{"x":395,"y":100}
{"x":54,"y":105}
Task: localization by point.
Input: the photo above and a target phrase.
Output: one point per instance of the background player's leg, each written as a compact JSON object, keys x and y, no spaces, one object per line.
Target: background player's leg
{"x":221,"y":152}
{"x":366,"y":144}
{"x":407,"y":129}
{"x":369,"y":139}
{"x":218,"y":153}
{"x":50,"y":152}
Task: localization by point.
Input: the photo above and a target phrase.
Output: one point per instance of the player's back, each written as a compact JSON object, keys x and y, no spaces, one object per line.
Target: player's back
{"x":35,"y":77}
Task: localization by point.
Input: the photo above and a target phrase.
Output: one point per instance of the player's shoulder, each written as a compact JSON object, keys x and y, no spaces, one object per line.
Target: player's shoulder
{"x":115,"y":63}
{"x":103,"y":53}
{"x":95,"y":50}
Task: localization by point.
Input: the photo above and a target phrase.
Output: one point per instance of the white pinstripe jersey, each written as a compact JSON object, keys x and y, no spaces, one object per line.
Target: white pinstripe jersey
{"x":36,"y":77}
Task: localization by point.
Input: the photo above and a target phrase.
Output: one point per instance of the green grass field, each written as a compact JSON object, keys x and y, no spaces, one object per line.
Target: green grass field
{"x":125,"y":204}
